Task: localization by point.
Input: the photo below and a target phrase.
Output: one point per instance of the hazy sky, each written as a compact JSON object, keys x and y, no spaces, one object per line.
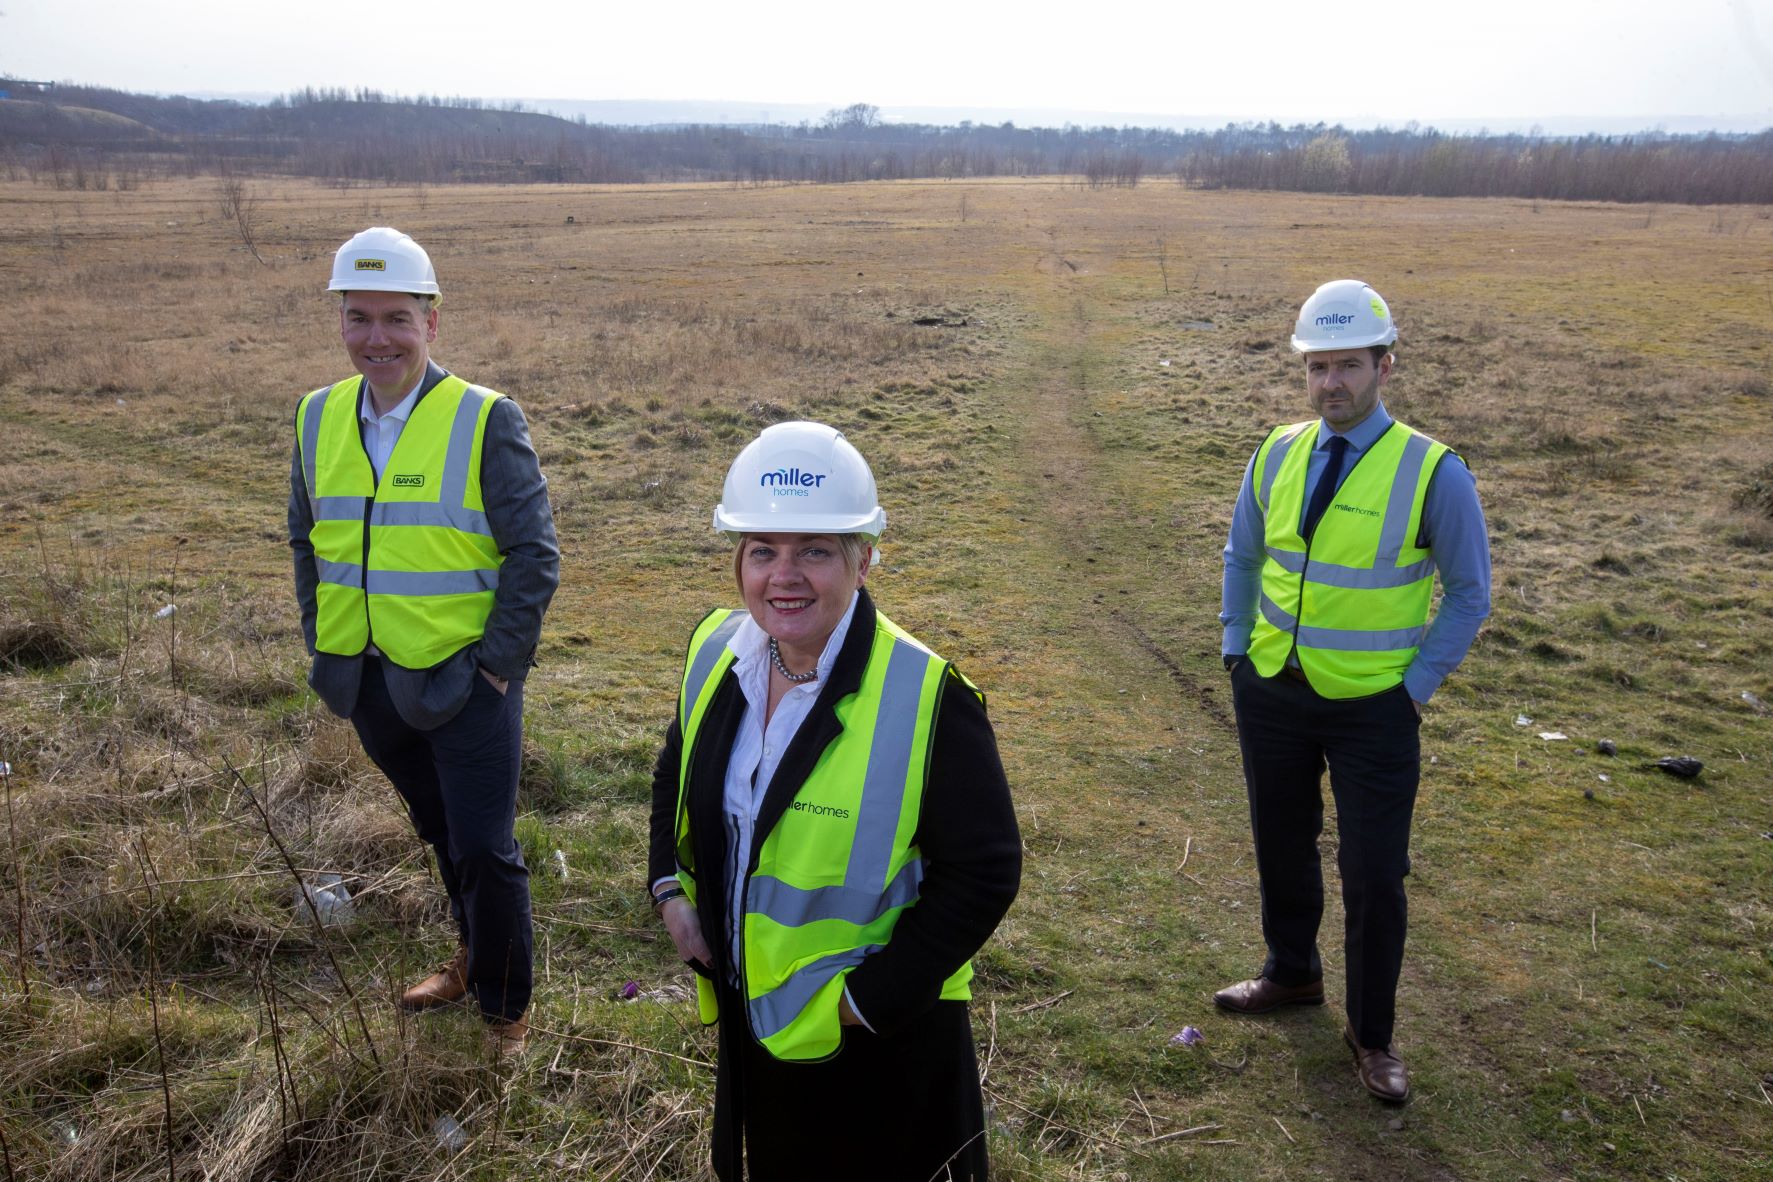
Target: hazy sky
{"x":1389,"y":60}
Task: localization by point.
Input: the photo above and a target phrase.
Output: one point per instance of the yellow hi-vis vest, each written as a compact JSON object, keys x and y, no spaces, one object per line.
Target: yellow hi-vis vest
{"x":1354,"y":600}
{"x":409,"y":560}
{"x":838,"y":869}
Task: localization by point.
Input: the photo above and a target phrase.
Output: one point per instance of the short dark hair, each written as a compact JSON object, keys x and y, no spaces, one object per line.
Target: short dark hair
{"x":1378,"y":352}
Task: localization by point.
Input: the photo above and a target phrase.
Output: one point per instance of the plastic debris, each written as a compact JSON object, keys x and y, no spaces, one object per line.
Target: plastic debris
{"x":559,"y":861}
{"x":449,"y":1133}
{"x":5,"y":768}
{"x":1684,"y":766}
{"x":1607,"y":747}
{"x":1754,"y":701}
{"x":166,"y":611}
{"x":332,"y":901}
{"x":1588,"y":794}
{"x":1188,"y":1036}
{"x":1549,"y":736}
{"x":630,"y":991}
{"x":68,"y":1135}
{"x":1604,"y":778}
{"x":1165,"y":363}
{"x":1522,"y":720}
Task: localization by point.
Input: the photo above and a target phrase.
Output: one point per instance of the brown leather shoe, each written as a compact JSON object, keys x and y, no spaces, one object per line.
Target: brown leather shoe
{"x":507,"y":1040}
{"x":1381,"y":1071}
{"x":1260,"y":995}
{"x":448,"y":985}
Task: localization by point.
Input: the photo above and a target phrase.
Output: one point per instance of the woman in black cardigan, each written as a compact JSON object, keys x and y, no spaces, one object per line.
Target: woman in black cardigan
{"x":875,"y":1076}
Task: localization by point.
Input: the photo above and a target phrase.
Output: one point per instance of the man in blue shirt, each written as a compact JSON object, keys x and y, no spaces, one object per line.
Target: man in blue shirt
{"x":1322,"y":672}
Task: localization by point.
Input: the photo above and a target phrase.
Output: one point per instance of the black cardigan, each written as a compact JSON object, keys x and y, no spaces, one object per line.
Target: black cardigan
{"x":966,"y":832}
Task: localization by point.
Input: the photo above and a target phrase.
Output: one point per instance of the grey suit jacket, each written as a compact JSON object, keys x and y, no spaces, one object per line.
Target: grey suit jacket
{"x":522,"y":524}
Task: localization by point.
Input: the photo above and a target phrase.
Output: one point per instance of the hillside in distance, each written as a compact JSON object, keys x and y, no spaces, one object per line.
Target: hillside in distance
{"x":68,"y":134}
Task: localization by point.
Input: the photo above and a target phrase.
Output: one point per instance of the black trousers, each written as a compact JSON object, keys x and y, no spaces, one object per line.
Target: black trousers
{"x":459,"y":783}
{"x":904,"y":1108}
{"x":1371,"y":745}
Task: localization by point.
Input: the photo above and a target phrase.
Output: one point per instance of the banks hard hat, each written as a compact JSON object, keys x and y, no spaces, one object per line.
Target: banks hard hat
{"x":381,"y":258}
{"x":1343,"y":314}
{"x":801,"y":478}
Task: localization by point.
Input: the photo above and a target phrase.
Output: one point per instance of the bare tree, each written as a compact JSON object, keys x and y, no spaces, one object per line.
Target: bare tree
{"x":856,"y":116}
{"x":240,"y":205}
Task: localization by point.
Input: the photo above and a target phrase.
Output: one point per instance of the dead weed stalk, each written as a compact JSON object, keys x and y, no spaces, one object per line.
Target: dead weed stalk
{"x":18,"y":875}
{"x":307,"y":897}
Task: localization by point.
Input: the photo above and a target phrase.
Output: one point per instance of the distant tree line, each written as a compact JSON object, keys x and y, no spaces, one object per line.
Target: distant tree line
{"x":85,"y":136}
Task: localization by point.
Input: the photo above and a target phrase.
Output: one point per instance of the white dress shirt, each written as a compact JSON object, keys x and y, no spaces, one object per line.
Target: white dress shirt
{"x":381,"y":433}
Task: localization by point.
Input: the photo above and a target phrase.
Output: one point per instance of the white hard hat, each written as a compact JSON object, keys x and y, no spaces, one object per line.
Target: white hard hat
{"x":1343,"y":314}
{"x":801,"y":478}
{"x":381,"y":258}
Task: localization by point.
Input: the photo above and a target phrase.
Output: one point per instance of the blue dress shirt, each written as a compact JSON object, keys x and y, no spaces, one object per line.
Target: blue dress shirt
{"x":1458,"y":544}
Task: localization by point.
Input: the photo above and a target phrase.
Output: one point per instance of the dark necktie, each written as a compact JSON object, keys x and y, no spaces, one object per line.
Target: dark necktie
{"x":1326,"y":485}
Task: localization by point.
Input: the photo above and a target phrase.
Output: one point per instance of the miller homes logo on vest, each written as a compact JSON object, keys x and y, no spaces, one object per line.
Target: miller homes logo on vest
{"x":792,"y":482}
{"x":416,"y":480}
{"x":820,"y":810}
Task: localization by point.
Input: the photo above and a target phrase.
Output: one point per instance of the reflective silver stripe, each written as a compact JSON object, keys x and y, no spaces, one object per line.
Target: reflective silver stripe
{"x":865,"y":895}
{"x":339,"y":574}
{"x":1362,"y":641}
{"x":1358,"y":578}
{"x":1395,"y":533}
{"x":339,"y":508}
{"x":1343,"y":640}
{"x":449,"y":515}
{"x":703,"y":663}
{"x":311,"y":439}
{"x":889,"y":763}
{"x":1276,"y":455}
{"x":1275,"y":614}
{"x":440,"y":582}
{"x":772,"y":1013}
{"x":793,"y":907}
{"x":461,"y":447}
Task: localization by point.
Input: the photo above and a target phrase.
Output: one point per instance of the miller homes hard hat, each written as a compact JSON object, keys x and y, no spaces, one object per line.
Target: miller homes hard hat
{"x":802,"y":478}
{"x":1343,"y":314}
{"x":381,"y":258}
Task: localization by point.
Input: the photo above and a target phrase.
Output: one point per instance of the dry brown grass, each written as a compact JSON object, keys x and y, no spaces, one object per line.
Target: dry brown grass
{"x":1057,"y":500}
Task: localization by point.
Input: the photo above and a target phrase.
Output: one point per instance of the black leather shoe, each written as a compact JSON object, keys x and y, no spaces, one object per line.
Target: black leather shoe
{"x":1381,"y":1072}
{"x":1260,"y":995}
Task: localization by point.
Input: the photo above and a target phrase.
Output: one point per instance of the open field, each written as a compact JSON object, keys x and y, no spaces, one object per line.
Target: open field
{"x":1588,"y":983}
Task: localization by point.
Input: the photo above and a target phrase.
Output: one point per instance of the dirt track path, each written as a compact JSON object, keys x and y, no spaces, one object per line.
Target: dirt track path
{"x":1122,"y":747}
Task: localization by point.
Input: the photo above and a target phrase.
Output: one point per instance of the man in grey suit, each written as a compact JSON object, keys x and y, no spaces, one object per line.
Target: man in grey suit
{"x":424,"y":558}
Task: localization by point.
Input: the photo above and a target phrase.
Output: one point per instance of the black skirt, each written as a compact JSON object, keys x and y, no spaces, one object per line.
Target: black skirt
{"x":904,"y":1108}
